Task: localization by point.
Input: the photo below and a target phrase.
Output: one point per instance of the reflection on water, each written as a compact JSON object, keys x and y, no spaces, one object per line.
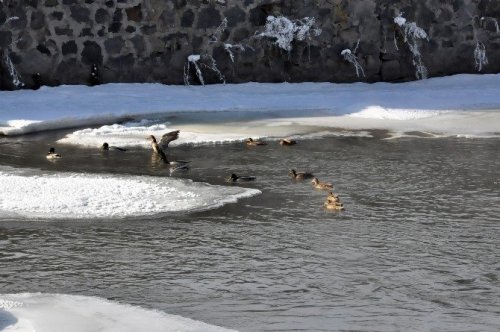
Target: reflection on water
{"x":415,"y":250}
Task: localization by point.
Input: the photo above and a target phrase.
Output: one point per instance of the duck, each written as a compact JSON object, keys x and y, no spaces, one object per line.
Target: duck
{"x":333,"y":202}
{"x":105,"y":147}
{"x":332,"y":198}
{"x":234,"y":178}
{"x":321,"y":185}
{"x":52,"y":154}
{"x":251,"y":142}
{"x":334,"y":206}
{"x":165,"y":140}
{"x":287,"y":142}
{"x":299,"y":175}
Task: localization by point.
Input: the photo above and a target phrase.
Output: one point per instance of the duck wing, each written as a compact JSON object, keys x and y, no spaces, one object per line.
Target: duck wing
{"x":178,"y":162}
{"x":118,"y":148}
{"x":246,"y":178}
{"x":169,"y":137}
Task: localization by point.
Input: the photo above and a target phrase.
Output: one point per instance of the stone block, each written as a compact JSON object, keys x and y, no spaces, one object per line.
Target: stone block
{"x":134,"y":13}
{"x":91,"y":53}
{"x":187,"y":19}
{"x":235,"y":15}
{"x":57,"y":16}
{"x":37,"y":20}
{"x":148,"y":29}
{"x":209,"y":18}
{"x":114,"y":45}
{"x":101,"y":16}
{"x":80,"y":14}
{"x":51,"y":3}
{"x":139,"y":44}
{"x":167,"y":18}
{"x":69,"y":47}
{"x":5,"y":39}
{"x":63,"y":31}
{"x":391,"y":71}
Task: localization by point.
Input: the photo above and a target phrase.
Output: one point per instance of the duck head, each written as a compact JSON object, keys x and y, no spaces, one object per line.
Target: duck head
{"x":105,"y":147}
{"x":249,"y":140}
{"x":315,"y":181}
{"x":152,"y":138}
{"x":52,"y":150}
{"x":292,"y":173}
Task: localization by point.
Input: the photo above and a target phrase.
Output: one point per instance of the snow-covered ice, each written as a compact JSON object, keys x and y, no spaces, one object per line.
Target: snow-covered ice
{"x":39,"y":312}
{"x":34,"y":194}
{"x":70,"y":106}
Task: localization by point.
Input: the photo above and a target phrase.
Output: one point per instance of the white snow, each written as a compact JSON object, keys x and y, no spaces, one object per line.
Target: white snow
{"x":400,"y":20}
{"x":194,"y":57}
{"x":39,"y":312}
{"x":30,"y":193}
{"x":27,"y":111}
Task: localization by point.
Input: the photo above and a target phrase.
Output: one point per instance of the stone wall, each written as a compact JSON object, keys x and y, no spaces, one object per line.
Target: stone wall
{"x":150,"y":40}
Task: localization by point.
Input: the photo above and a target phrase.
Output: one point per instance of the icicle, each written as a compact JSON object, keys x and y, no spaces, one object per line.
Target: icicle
{"x":229,"y":49}
{"x":219,"y":31}
{"x":412,"y":33}
{"x":16,"y":79}
{"x":213,"y":67}
{"x":350,"y":57}
{"x":195,"y":60}
{"x":480,"y":58}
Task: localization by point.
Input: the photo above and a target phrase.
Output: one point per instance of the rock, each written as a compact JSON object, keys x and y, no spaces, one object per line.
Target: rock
{"x":91,"y":53}
{"x":69,"y":47}
{"x":134,"y":13}
{"x":37,"y":20}
{"x":114,"y":45}
{"x":80,"y":14}
{"x":209,"y":18}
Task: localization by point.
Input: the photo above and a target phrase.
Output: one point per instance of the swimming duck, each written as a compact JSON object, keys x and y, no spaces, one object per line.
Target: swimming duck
{"x":333,"y":202}
{"x":332,"y":198}
{"x":252,"y":142}
{"x":334,"y":206}
{"x":105,"y":147}
{"x":52,"y":154}
{"x":234,"y":178}
{"x":299,"y":175}
{"x":287,"y":142}
{"x":321,"y":185}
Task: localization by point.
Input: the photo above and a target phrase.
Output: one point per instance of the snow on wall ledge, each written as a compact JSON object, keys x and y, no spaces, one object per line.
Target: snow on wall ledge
{"x":32,"y":194}
{"x":62,"y":313}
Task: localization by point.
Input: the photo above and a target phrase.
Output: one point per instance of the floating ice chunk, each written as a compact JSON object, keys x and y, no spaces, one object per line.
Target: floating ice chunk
{"x":32,"y":194}
{"x":63,"y":313}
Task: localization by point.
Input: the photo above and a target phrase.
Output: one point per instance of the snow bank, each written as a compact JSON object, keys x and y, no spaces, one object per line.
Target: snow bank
{"x":62,"y":313}
{"x":32,"y":194}
{"x":69,"y":106}
{"x":135,"y":134}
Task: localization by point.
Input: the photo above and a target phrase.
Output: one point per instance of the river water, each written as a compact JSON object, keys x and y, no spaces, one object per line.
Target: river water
{"x":417,"y":248}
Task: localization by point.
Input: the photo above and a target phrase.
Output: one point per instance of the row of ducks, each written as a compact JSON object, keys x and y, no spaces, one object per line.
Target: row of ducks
{"x":332,"y":202}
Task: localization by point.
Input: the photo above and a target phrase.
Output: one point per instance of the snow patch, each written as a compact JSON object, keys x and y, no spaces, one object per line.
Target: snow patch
{"x":63,"y":313}
{"x":47,"y":195}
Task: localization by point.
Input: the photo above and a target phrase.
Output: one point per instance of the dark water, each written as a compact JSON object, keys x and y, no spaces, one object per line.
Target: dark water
{"x":417,"y":248}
